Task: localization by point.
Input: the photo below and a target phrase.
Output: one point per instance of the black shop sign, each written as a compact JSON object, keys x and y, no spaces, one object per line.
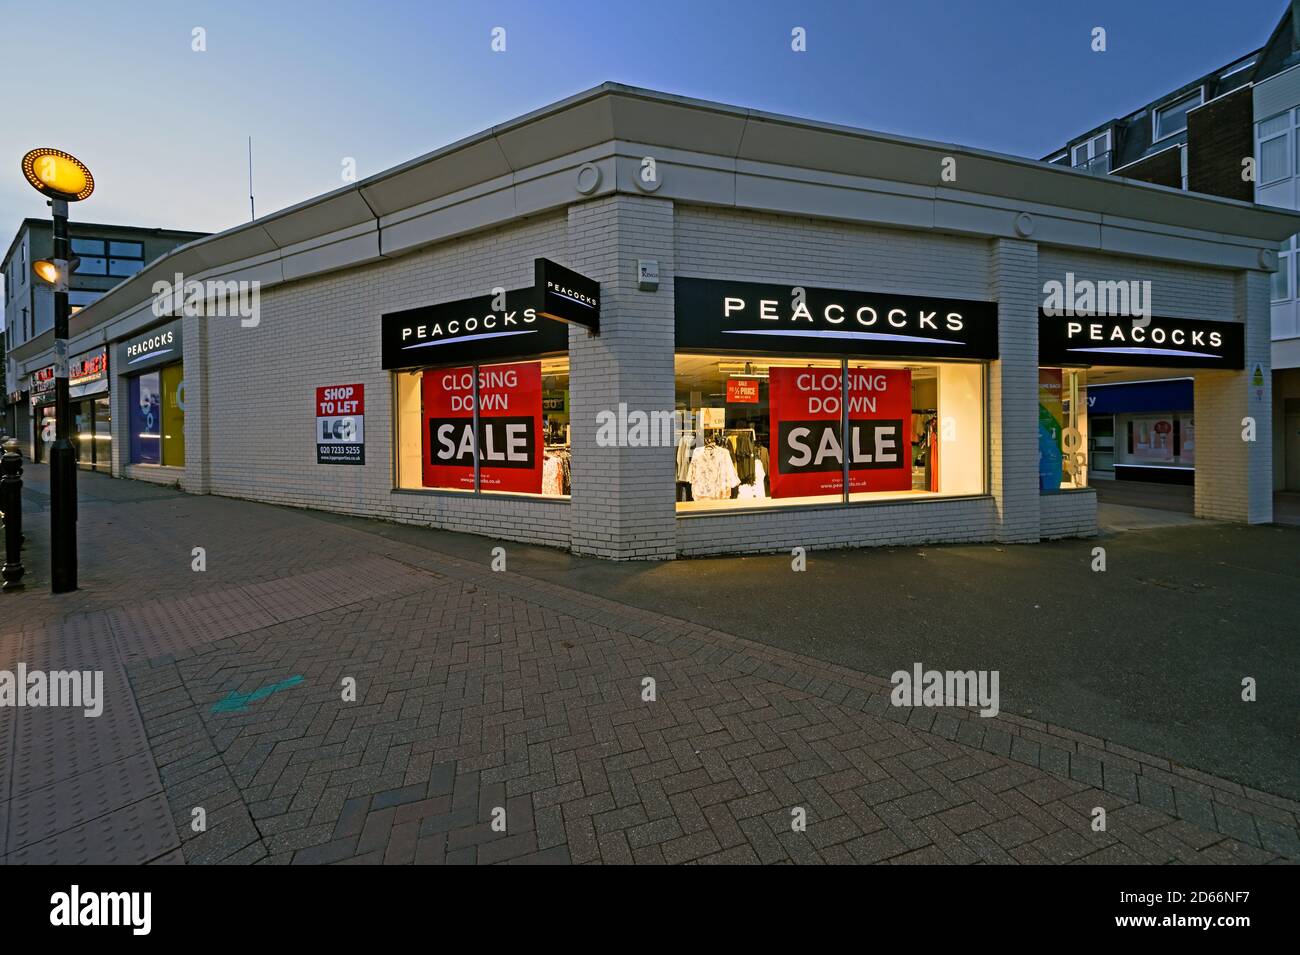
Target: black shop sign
{"x":752,"y":317}
{"x":1137,"y":343}
{"x":523,"y":323}
{"x":470,"y":330}
{"x":161,"y":345}
{"x":566,"y":296}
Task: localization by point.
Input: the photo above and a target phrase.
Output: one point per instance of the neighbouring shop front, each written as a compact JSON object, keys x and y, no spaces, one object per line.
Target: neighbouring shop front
{"x":152,"y":366}
{"x":1143,"y":430}
{"x":17,"y":419}
{"x":1128,"y":430}
{"x":92,"y":416}
{"x":42,"y":412}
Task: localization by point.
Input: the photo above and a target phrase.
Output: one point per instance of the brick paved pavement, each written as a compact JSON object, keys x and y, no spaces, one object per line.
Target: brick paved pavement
{"x":478,"y":690}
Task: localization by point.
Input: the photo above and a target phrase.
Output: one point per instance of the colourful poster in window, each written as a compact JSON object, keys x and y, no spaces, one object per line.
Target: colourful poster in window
{"x":510,"y":427}
{"x":1051,"y":426}
{"x":146,"y":419}
{"x":807,"y":431}
{"x":449,"y":432}
{"x":1153,"y":439}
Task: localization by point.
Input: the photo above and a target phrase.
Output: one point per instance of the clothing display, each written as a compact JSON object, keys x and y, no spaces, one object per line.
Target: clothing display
{"x":685,"y":443}
{"x":764,"y":460}
{"x":741,"y":445}
{"x":757,"y":490}
{"x":555,"y":471}
{"x":712,"y":474}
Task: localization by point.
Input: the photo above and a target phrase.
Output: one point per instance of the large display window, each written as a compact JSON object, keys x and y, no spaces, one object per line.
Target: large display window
{"x":788,"y":431}
{"x":157,"y":417}
{"x":488,"y":428}
{"x":146,"y":419}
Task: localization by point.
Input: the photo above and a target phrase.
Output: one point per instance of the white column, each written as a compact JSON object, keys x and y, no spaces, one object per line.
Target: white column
{"x":1234,"y":475}
{"x":1013,"y":390}
{"x":623,"y":498}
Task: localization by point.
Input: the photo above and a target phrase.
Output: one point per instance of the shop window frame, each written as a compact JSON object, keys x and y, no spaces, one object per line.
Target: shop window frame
{"x":770,"y":505}
{"x":477,"y":492}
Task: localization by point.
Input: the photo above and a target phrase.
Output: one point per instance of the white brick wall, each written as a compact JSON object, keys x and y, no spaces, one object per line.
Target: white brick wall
{"x":1234,"y":477}
{"x":758,"y":247}
{"x":1013,"y":390}
{"x":627,"y":511}
{"x":261,"y":384}
{"x":826,"y":528}
{"x":1177,"y":291}
{"x":1070,"y":514}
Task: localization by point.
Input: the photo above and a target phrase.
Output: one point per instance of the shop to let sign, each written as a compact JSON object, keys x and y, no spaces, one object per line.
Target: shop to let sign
{"x":509,"y":428}
{"x":340,"y":424}
{"x":807,"y":430}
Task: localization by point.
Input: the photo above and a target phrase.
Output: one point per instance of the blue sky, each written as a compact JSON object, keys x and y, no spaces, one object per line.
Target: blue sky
{"x":164,"y":128}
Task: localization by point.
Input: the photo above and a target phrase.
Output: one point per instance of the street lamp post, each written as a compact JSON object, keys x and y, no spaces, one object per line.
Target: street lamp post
{"x":63,"y":458}
{"x":63,"y":179}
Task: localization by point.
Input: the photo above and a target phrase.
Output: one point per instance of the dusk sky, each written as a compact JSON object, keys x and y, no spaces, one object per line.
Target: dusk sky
{"x":164,"y":128}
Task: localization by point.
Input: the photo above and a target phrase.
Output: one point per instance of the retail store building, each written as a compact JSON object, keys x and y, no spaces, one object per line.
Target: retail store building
{"x":638,"y":326}
{"x":105,"y":255}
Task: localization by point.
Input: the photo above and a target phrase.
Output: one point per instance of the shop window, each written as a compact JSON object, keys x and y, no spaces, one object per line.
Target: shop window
{"x":501,"y":428}
{"x":763,"y":431}
{"x":1062,"y":430}
{"x":1159,"y":440}
{"x":102,"y":419}
{"x":157,"y":417}
{"x":146,"y":419}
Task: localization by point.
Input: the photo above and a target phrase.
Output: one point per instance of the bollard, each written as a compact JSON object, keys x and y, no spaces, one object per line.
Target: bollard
{"x":11,"y":502}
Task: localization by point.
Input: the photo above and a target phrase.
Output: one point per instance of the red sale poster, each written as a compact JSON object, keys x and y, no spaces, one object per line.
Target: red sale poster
{"x":805,"y":408}
{"x":510,"y":426}
{"x":880,"y":429}
{"x":449,"y":428}
{"x":807,"y":430}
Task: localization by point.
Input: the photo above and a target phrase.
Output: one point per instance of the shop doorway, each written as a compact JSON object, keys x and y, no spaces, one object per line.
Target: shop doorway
{"x":92,"y":433}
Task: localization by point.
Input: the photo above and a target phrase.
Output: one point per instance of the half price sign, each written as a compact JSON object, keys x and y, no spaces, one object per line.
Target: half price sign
{"x":340,"y":424}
